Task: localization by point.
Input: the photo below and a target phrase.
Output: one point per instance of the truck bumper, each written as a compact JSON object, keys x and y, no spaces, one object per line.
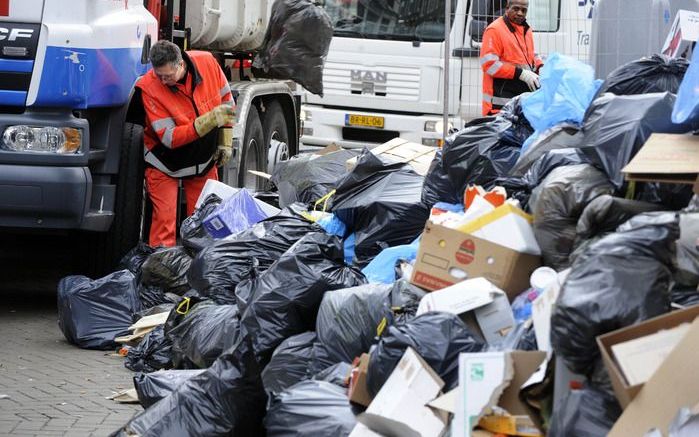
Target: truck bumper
{"x":46,"y":197}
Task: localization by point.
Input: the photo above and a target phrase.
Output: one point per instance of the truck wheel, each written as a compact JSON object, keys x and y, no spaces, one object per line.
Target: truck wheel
{"x":274,"y":126}
{"x":105,"y":249}
{"x":253,"y":155}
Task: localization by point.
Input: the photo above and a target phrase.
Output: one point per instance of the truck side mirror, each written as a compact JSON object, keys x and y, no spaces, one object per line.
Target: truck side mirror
{"x":477,"y":29}
{"x":145,"y":52}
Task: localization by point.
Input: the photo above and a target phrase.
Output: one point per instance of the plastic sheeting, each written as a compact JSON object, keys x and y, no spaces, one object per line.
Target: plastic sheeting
{"x":205,"y":332}
{"x":567,"y":88}
{"x":167,"y":269}
{"x":289,"y":363}
{"x":152,"y":387}
{"x":437,"y":337}
{"x":192,"y":231}
{"x":348,"y":320}
{"x":557,"y":204}
{"x":588,"y":412}
{"x":289,"y":50}
{"x":307,"y":178}
{"x":218,"y":269}
{"x":153,"y":353}
{"x":310,"y":408}
{"x":284,"y":300}
{"x":622,"y":279}
{"x":687,"y":105}
{"x":381,"y":203}
{"x":92,"y":313}
{"x":652,"y":74}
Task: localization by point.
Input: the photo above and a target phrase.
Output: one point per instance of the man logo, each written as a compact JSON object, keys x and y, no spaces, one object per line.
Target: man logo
{"x":368,"y":82}
{"x":368,"y":76}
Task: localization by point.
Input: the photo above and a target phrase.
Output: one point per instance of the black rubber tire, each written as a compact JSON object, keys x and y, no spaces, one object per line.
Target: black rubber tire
{"x":105,"y":249}
{"x":274,"y":124}
{"x":254,"y":153}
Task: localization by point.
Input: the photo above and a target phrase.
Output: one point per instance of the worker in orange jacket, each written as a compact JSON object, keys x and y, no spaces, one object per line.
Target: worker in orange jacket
{"x":510,"y":66}
{"x":189,"y":115}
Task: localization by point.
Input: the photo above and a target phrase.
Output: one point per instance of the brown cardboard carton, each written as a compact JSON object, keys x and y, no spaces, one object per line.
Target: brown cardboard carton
{"x":418,"y":156}
{"x":625,"y":393}
{"x":447,"y":256}
{"x":673,"y":386}
{"x":672,"y":158}
{"x":358,"y":392}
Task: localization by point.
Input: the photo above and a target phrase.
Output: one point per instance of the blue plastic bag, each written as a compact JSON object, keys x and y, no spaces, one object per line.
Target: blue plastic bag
{"x":567,"y":89}
{"x":382,"y":268}
{"x":237,"y":213}
{"x":349,"y":249}
{"x":687,"y":104}
{"x":333,"y":225}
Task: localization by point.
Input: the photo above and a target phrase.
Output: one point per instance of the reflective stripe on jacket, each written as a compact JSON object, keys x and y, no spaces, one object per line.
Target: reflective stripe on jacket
{"x":172,"y":145}
{"x":507,"y":49}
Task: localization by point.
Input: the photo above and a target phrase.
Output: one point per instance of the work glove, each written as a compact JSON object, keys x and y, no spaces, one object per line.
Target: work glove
{"x":531,"y":79}
{"x":221,"y":115}
{"x":225,"y":146}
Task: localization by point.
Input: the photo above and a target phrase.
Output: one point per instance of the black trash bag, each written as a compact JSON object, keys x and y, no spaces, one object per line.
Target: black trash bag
{"x":310,"y":408}
{"x":687,"y":264}
{"x":152,"y":387}
{"x":588,"y":412}
{"x":684,"y":296}
{"x":348,"y":319}
{"x":480,"y":154}
{"x":152,"y":296}
{"x":527,"y":342}
{"x":134,"y":258}
{"x":606,"y":213}
{"x":320,"y":359}
{"x":437,"y":186}
{"x":653,"y":74}
{"x":557,"y":204}
{"x":218,"y":269}
{"x":153,"y":353}
{"x":194,"y":235}
{"x":620,"y":280}
{"x":167,"y":269}
{"x":564,"y":135}
{"x":307,"y":178}
{"x":337,"y":374}
{"x":437,"y":337}
{"x":289,"y":363}
{"x":226,"y":399}
{"x":92,"y":313}
{"x":520,"y":128}
{"x":289,"y":50}
{"x":405,"y":299}
{"x":204,"y":334}
{"x":672,"y":197}
{"x":284,"y":300}
{"x":381,"y":203}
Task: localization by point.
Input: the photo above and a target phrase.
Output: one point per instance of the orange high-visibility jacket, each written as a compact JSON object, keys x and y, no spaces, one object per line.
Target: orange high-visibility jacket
{"x":507,"y":49}
{"x":172,"y":145}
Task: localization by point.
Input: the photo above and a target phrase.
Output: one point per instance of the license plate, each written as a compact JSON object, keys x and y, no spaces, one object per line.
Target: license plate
{"x":364,"y":120}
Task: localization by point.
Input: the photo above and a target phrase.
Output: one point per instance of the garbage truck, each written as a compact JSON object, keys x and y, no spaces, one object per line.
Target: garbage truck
{"x":384,"y":75}
{"x":71,"y":154}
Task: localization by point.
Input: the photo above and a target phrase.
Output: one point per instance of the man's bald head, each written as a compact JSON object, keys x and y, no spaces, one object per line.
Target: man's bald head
{"x":516,"y":10}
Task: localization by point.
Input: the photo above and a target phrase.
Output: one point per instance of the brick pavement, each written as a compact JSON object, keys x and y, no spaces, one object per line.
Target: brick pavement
{"x":47,"y":386}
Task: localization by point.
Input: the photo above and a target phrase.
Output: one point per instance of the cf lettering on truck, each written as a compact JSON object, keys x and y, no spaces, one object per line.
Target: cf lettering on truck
{"x":71,"y":120}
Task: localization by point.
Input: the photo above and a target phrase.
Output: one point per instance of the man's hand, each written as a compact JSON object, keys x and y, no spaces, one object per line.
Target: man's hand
{"x":221,"y":115}
{"x":531,"y":79}
{"x":225,"y":146}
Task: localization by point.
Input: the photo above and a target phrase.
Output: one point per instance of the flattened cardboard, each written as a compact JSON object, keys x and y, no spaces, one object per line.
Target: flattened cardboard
{"x":625,"y":393}
{"x":150,"y":321}
{"x":447,"y":256}
{"x":673,"y":386}
{"x":672,"y":158}
{"x":417,"y":155}
{"x":358,"y":392}
{"x":525,"y":364}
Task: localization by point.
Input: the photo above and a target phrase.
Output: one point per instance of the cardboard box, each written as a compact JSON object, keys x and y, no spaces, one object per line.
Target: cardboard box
{"x":235,"y":214}
{"x":508,"y":226}
{"x":625,"y":393}
{"x":224,"y":192}
{"x":358,"y":392}
{"x":673,"y":386}
{"x":400,"y":407}
{"x":447,"y":256}
{"x":418,"y":156}
{"x":671,"y":158}
{"x":683,"y":34}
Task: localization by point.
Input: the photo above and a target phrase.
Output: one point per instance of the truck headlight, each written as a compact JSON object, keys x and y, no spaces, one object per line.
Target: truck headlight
{"x":437,"y":126}
{"x":61,"y":140}
{"x":306,"y":115}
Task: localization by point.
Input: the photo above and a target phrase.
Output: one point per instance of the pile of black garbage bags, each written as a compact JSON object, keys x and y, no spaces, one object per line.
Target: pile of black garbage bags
{"x":263,"y":326}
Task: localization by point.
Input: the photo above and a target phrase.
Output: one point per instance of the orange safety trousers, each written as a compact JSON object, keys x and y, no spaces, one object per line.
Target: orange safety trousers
{"x":162,"y":190}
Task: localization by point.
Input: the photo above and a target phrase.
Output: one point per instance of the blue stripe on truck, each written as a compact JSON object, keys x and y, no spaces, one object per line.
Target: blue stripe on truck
{"x":16,"y":65}
{"x":13,"y":98}
{"x":86,"y":78}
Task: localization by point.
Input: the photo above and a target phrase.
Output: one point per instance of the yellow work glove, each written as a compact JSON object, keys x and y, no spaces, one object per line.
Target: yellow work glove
{"x":221,"y":115}
{"x":225,"y":146}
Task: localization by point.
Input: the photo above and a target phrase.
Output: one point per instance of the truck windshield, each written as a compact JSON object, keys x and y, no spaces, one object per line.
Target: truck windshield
{"x":405,"y":20}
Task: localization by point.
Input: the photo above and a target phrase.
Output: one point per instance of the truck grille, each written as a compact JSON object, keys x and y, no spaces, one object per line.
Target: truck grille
{"x":17,"y":53}
{"x":397,"y":83}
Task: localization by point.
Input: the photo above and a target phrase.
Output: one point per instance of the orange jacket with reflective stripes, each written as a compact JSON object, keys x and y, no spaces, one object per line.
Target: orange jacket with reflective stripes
{"x":172,"y":145}
{"x":507,"y":49}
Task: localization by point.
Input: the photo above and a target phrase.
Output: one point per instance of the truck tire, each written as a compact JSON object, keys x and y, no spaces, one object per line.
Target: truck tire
{"x":253,"y":155}
{"x":275,"y":128}
{"x":105,"y":249}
